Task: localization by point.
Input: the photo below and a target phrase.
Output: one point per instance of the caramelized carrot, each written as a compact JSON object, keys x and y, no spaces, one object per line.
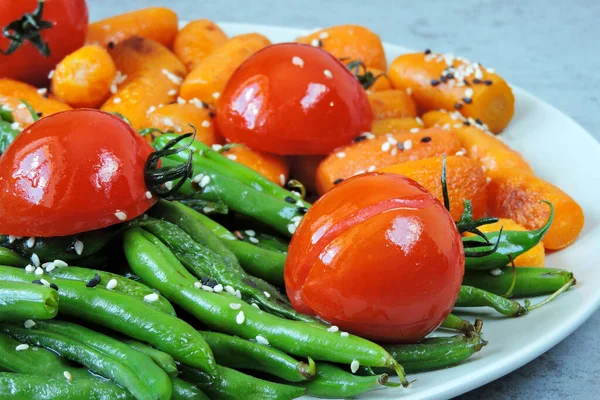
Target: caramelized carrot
{"x":197,"y":40}
{"x":304,"y":169}
{"x":395,"y":125}
{"x":84,"y":77}
{"x":178,"y":117}
{"x":157,"y":23}
{"x":438,"y":82}
{"x":371,"y":152}
{"x":152,"y":75}
{"x":12,"y":92}
{"x":272,"y":166}
{"x":350,"y":42}
{"x":464,"y":178}
{"x":532,"y":258}
{"x":488,"y":149}
{"x":518,"y":196}
{"x":392,"y":104}
{"x":208,"y":79}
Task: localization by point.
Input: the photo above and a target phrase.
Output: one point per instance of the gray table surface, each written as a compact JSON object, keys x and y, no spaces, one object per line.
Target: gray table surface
{"x":550,"y":48}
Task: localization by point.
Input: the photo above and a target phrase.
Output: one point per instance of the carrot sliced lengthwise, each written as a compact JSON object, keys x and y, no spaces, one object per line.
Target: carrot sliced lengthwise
{"x":485,"y":95}
{"x":518,"y":196}
{"x":381,"y":127}
{"x":392,"y":104}
{"x":272,"y":166}
{"x":371,"y":152}
{"x":156,"y":23}
{"x":178,"y":118}
{"x":197,"y":40}
{"x":465,"y":181}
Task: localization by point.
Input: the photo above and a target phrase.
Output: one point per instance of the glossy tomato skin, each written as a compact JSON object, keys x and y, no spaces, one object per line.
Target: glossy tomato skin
{"x":72,"y":172}
{"x":377,"y":256}
{"x":70,"y":19}
{"x":291,"y":98}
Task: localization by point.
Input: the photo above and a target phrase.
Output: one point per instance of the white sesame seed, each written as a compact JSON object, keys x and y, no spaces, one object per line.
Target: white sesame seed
{"x":181,"y":100}
{"x":207,"y":288}
{"x":197,"y":178}
{"x":386,"y":146}
{"x":333,"y":329}
{"x":234,"y":306}
{"x":217,"y":147}
{"x":496,"y":272}
{"x":110,"y":285}
{"x":218,"y":288}
{"x":253,"y":240}
{"x":282,"y":179}
{"x":121,"y":216}
{"x":340,"y":154}
{"x":148,"y":195}
{"x":371,"y":168}
{"x":51,"y":74}
{"x":239,"y":319}
{"x":255,"y":305}
{"x":394,"y":151}
{"x":483,"y":168}
{"x":408,"y":91}
{"x":45,"y":282}
{"x":260,"y":339}
{"x":50,"y":267}
{"x":67,"y":375}
{"x":168,"y":122}
{"x":169,"y":185}
{"x":172,"y":92}
{"x":21,"y":106}
{"x":16,"y":126}
{"x":419,"y":121}
{"x":344,"y":334}
{"x":198,"y":285}
{"x":205,"y":123}
{"x":117,"y":100}
{"x":39,"y":271}
{"x":22,"y":347}
{"x":42,"y":91}
{"x":328,"y":74}
{"x":414,"y":130}
{"x":297,"y":61}
{"x":478,"y":74}
{"x":151,"y":109}
{"x":232,"y":157}
{"x":461,"y":152}
{"x":60,"y":263}
{"x":30,"y":268}
{"x":229,"y":289}
{"x":35,"y":260}
{"x":172,"y":77}
{"x":238,"y":294}
{"x":11,"y":239}
{"x":114,"y":88}
{"x":205,"y":181}
{"x":323,"y":35}
{"x":30,"y":242}
{"x":296,"y":219}
{"x":250,"y":232}
{"x":267,"y":294}
{"x":468,"y":92}
{"x":292,"y":228}
{"x":78,"y":245}
{"x":488,"y":179}
{"x":151,"y":298}
{"x":315,"y":43}
{"x":216,"y":95}
{"x":354,"y":366}
{"x":491,"y":70}
{"x":28,"y":324}
{"x":407,"y":144}
{"x":207,"y":210}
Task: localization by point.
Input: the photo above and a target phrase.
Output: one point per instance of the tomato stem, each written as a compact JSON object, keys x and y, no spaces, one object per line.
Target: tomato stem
{"x":28,"y":29}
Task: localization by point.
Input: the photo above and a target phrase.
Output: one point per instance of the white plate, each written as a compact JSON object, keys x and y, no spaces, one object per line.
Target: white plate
{"x":562,"y":152}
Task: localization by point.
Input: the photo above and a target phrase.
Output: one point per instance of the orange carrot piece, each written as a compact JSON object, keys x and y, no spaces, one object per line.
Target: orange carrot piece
{"x":350,"y":42}
{"x":157,"y":23}
{"x":376,"y":152}
{"x":464,"y":178}
{"x":534,"y":257}
{"x":491,"y":100}
{"x":392,"y":104}
{"x":489,"y":150}
{"x":208,"y":79}
{"x":381,"y":83}
{"x":197,"y":40}
{"x":272,"y":166}
{"x":395,"y":125}
{"x":518,"y":196}
{"x":178,"y":117}
{"x":84,"y":77}
{"x":12,"y":92}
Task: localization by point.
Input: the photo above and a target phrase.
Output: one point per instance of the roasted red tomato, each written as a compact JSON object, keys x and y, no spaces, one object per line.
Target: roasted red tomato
{"x":377,"y":256}
{"x":71,"y":172}
{"x":37,"y":35}
{"x":292,"y":98}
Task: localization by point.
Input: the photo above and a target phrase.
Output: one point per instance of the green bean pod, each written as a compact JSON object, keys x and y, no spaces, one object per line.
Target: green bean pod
{"x":235,"y":385}
{"x":530,"y":281}
{"x":162,"y":359}
{"x":124,"y":285}
{"x":37,"y":387}
{"x":99,"y":353}
{"x":511,"y":245}
{"x":333,"y":382}
{"x":129,"y":316}
{"x":456,"y":323}
{"x":229,"y":314}
{"x":21,"y":301}
{"x":238,"y":353}
{"x":12,"y":258}
{"x":473,"y":297}
{"x":183,"y":390}
{"x":7,"y":134}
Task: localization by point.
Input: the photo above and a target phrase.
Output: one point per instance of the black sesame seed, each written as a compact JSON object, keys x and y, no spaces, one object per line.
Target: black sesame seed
{"x":290,"y":200}
{"x":205,"y":105}
{"x":39,"y":114}
{"x":37,"y":282}
{"x":478,"y":121}
{"x":458,"y":106}
{"x":466,"y":123}
{"x":450,"y":75}
{"x":435,"y":82}
{"x":302,"y":210}
{"x":467,"y":100}
{"x":359,"y":138}
{"x":339,"y":180}
{"x":400,"y":146}
{"x":212,"y":283}
{"x":46,"y":95}
{"x":427,"y":51}
{"x":53,"y":286}
{"x":488,"y":82}
{"x":205,"y":280}
{"x":211,"y":114}
{"x":443,"y":79}
{"x":476,"y":81}
{"x":111,"y":45}
{"x":94,"y":281}
{"x":466,"y":82}
{"x":426,"y":139}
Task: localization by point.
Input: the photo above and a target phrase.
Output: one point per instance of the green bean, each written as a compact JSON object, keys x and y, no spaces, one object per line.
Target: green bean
{"x":36,"y":387}
{"x":229,"y":314}
{"x":235,"y":385}
{"x":7,"y":134}
{"x":238,"y":353}
{"x":123,"y":285}
{"x":456,"y":323}
{"x":162,"y":359}
{"x":99,"y":353}
{"x":6,"y":114}
{"x":128,"y":316}
{"x":20,"y":301}
{"x":38,"y":361}
{"x":333,"y":382}
{"x":183,"y":390}
{"x":204,"y":263}
{"x":530,"y":281}
{"x":12,"y":258}
{"x":473,"y":297}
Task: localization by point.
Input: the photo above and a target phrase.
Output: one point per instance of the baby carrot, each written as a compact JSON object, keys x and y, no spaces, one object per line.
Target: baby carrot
{"x":178,"y":117}
{"x":392,"y":104}
{"x":208,"y":79}
{"x":197,"y":40}
{"x":531,"y":258}
{"x":395,"y":125}
{"x":272,"y":166}
{"x":156,"y":23}
{"x":513,"y":194}
{"x":465,"y":181}
{"x":350,"y":42}
{"x":488,"y":149}
{"x":84,"y":77}
{"x":440,"y":81}
{"x":369,"y":153}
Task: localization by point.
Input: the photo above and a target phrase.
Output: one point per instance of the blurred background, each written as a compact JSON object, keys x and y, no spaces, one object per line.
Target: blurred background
{"x":550,"y":49}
